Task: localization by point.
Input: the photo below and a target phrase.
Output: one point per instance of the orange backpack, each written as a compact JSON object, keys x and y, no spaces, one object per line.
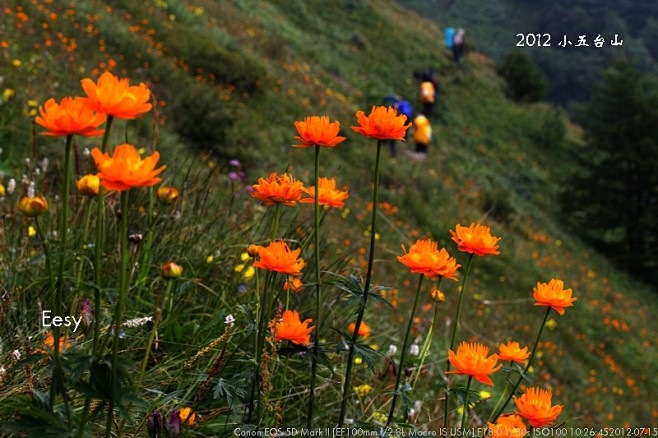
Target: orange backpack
{"x":427,"y":92}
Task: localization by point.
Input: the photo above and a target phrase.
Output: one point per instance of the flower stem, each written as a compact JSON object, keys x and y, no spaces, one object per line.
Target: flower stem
{"x":454,"y":334}
{"x":404,"y":352}
{"x":366,"y":290}
{"x":316,"y":253}
{"x":427,"y":344}
{"x":465,"y":413}
{"x":525,"y":370}
{"x":118,"y":316}
{"x":156,"y":320}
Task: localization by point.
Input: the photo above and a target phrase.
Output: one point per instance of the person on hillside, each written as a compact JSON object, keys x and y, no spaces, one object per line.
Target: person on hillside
{"x":402,"y":107}
{"x":422,"y":136}
{"x":458,"y":46}
{"x":427,"y":94}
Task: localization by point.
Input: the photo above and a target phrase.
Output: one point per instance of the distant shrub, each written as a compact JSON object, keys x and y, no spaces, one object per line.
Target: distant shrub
{"x":525,"y":81}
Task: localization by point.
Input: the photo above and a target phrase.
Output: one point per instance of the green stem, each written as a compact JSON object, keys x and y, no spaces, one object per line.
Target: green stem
{"x":262,"y":327}
{"x":366,"y":290}
{"x":454,"y":334}
{"x":156,"y":320}
{"x":316,"y":253}
{"x":123,"y":286}
{"x":465,"y":413}
{"x":404,"y":351}
{"x":275,"y":224}
{"x":427,"y":344}
{"x":527,"y":367}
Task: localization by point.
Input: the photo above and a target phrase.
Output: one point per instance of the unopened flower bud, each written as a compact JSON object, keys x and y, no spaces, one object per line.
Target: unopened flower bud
{"x":88,"y":185}
{"x":438,"y":296}
{"x":154,"y":424}
{"x":252,"y":250}
{"x":32,"y":206}
{"x":171,"y":270}
{"x":168,"y":195}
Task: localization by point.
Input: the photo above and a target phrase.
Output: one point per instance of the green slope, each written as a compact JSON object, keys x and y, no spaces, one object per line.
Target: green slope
{"x":233,"y":76}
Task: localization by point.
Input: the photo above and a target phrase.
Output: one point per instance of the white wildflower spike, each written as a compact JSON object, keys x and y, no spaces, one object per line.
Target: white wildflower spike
{"x":229,"y":320}
{"x":137,"y":322}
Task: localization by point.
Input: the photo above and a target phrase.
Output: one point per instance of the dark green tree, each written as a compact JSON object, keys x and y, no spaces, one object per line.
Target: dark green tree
{"x":525,"y":81}
{"x":613,"y":200}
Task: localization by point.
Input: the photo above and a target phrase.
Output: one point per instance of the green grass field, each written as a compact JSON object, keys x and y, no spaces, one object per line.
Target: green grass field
{"x":228,"y":80}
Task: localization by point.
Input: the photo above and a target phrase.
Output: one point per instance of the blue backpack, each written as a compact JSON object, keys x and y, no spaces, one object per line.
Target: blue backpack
{"x":449,"y":35}
{"x":405,"y":108}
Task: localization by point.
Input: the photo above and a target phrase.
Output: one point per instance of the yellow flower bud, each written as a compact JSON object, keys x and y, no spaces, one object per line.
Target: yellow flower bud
{"x":168,"y":195}
{"x":33,"y":206}
{"x":88,"y":185}
{"x":171,"y":270}
{"x":252,"y":250}
{"x":438,"y":296}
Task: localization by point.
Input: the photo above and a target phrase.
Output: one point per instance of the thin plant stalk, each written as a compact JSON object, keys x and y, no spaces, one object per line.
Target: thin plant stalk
{"x":156,"y":320}
{"x":98,"y":257}
{"x":527,"y":367}
{"x":118,"y":316}
{"x":462,"y":293}
{"x":427,"y":344}
{"x":366,"y":290}
{"x":316,"y":253}
{"x":404,"y":352}
{"x":465,"y":413}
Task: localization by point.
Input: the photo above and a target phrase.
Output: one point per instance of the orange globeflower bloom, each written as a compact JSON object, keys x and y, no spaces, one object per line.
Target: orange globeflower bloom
{"x":115,"y":97}
{"x":535,"y":406}
{"x":126,"y":169}
{"x":328,"y":194}
{"x":471,"y":359}
{"x":383,"y":123}
{"x":49,"y":343}
{"x":425,"y":258}
{"x":278,"y":257}
{"x":293,"y":285}
{"x":88,"y":185}
{"x":476,"y":239}
{"x":291,"y":328}
{"x":316,"y":130}
{"x":509,"y":426}
{"x":187,"y":417}
{"x":513,"y":351}
{"x":553,"y":295}
{"x":364,"y":330}
{"x":275,"y":189}
{"x":32,"y":206}
{"x":69,"y":117}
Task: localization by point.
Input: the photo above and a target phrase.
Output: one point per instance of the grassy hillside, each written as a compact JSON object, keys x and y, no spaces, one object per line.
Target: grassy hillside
{"x":230,"y":78}
{"x":571,"y":70}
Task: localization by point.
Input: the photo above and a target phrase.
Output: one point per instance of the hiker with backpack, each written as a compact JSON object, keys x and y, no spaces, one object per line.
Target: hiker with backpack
{"x":458,"y":45}
{"x":402,"y":107}
{"x":427,"y":94}
{"x":422,"y":136}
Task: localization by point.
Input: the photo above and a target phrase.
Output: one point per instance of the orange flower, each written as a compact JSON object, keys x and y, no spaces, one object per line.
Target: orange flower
{"x":424,"y":258}
{"x":126,"y":169}
{"x":316,"y":130}
{"x":278,"y":257}
{"x":382,"y":123}
{"x":70,"y":117}
{"x":513,"y":351}
{"x":184,"y":414}
{"x":509,"y":426}
{"x":32,"y":206}
{"x":115,"y":97}
{"x":328,"y":194}
{"x":535,"y":406}
{"x":49,"y":343}
{"x":171,"y":270}
{"x":471,"y":359}
{"x":275,"y":189}
{"x":293,"y":284}
{"x":476,"y":239}
{"x":553,"y":295}
{"x":88,"y":185}
{"x":167,"y":195}
{"x":291,"y":328}
{"x":364,"y":330}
